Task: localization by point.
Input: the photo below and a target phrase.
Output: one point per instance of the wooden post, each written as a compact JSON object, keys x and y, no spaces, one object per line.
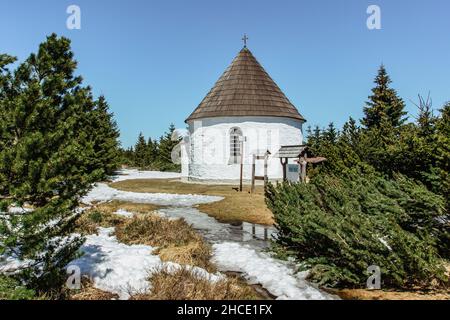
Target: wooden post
{"x":253,"y":173}
{"x":303,"y":163}
{"x":266,"y":178}
{"x":284,"y":164}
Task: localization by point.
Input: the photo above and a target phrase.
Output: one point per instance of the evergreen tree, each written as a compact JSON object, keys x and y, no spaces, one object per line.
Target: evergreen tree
{"x":127,"y":156}
{"x":418,"y":150}
{"x":140,"y":152}
{"x":166,"y":145}
{"x":442,"y":169}
{"x":384,"y":105}
{"x":314,"y":137}
{"x":351,"y":133}
{"x":426,"y":120}
{"x":338,"y":225}
{"x":331,"y":134}
{"x":46,"y":152}
{"x":106,"y":154}
{"x":152,"y":152}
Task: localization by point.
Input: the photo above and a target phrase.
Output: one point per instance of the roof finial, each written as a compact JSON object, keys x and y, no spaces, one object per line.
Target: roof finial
{"x":245,"y":38}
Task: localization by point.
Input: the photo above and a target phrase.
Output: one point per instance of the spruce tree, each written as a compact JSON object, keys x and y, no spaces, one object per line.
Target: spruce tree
{"x":426,"y":120}
{"x":106,"y":155}
{"x":46,"y":153}
{"x":127,"y":156}
{"x":140,"y":152}
{"x":166,"y":145}
{"x":331,"y":134}
{"x":442,"y":170}
{"x":152,"y":153}
{"x":384,"y":105}
{"x":351,"y":132}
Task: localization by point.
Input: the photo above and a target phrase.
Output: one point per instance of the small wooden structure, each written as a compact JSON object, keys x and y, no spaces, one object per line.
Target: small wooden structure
{"x":264,"y":178}
{"x":300,"y":153}
{"x":290,"y":152}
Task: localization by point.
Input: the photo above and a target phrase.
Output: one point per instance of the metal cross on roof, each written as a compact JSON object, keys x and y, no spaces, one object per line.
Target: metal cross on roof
{"x":245,"y":38}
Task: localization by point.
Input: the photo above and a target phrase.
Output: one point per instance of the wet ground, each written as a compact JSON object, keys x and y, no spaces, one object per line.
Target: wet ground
{"x":255,"y":235}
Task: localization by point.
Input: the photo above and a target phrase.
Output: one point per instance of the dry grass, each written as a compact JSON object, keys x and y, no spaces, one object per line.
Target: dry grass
{"x":176,"y":240}
{"x":184,"y":285}
{"x":236,"y":207}
{"x":195,"y":253}
{"x":88,"y":292}
{"x":439,"y":293}
{"x":102,"y":215}
{"x":113,"y":206}
{"x":362,"y":294}
{"x":89,"y":221}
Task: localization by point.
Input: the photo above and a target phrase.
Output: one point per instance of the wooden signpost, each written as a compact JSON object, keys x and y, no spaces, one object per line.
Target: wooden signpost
{"x":264,"y":178}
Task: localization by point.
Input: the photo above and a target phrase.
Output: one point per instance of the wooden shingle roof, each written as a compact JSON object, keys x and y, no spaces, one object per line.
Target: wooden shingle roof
{"x":245,"y":89}
{"x":290,"y":151}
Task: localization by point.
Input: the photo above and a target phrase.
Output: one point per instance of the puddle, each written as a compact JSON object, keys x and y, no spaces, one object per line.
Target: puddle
{"x":255,"y":235}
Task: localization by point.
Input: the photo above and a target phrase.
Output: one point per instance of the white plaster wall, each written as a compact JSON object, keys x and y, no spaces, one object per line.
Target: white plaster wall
{"x":185,"y":158}
{"x":208,"y":148}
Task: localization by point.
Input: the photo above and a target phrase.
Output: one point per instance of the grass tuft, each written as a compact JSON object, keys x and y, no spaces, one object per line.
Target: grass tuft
{"x":176,"y":240}
{"x":88,"y":293}
{"x":90,"y":221}
{"x":183,"y":284}
{"x":102,"y":215}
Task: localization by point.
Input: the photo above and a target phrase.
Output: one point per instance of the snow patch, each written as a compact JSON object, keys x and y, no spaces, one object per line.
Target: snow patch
{"x":124,"y":269}
{"x":132,"y":174}
{"x":116,"y":267}
{"x":102,"y":192}
{"x":18,"y":210}
{"x":259,"y":268}
{"x":10,"y":263}
{"x":124,"y":213}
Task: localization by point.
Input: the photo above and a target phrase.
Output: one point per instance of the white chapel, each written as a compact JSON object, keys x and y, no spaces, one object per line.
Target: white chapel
{"x":243,"y":115}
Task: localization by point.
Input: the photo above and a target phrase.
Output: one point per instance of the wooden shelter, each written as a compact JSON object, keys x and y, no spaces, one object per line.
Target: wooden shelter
{"x":300,"y":153}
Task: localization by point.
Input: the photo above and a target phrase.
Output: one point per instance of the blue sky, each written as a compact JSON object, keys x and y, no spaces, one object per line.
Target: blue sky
{"x":156,"y":60}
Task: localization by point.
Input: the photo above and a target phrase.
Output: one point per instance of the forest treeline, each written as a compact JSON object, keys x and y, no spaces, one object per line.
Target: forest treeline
{"x":153,"y":154}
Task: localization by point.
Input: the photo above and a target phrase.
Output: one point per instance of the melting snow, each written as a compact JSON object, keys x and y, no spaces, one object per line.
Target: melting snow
{"x":10,"y":263}
{"x":124,"y":213}
{"x":102,"y":192}
{"x":124,"y":269}
{"x":259,"y":268}
{"x":131,"y":174}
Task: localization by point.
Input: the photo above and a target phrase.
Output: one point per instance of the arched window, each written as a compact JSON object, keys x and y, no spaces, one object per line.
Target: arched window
{"x":235,"y":145}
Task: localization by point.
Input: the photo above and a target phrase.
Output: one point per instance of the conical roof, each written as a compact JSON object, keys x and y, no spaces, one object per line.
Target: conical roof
{"x":245,"y":89}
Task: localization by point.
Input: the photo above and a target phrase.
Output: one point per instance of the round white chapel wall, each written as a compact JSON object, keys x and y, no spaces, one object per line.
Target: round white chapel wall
{"x":209,"y":146}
